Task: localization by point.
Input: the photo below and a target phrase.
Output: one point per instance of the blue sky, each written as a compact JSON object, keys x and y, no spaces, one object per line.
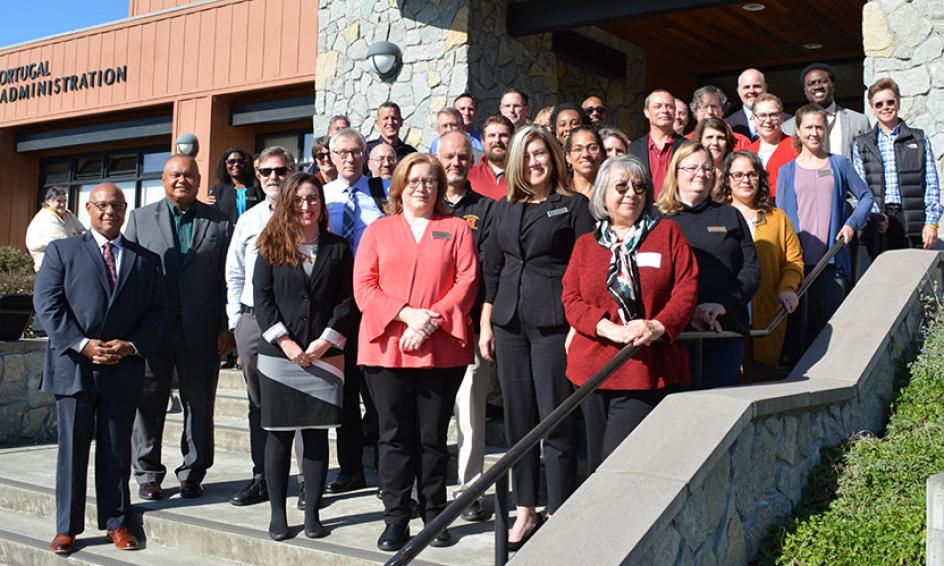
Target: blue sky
{"x":39,"y":18}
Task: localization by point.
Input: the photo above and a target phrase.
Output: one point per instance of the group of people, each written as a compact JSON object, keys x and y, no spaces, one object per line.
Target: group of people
{"x":533,"y":251}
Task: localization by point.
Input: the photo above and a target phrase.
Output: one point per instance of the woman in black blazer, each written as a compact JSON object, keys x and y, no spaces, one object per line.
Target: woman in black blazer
{"x":304,"y":302}
{"x":523,"y":324}
{"x":237,"y":190}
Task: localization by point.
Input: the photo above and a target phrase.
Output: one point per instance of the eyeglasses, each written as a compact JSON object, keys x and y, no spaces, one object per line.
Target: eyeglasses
{"x":346,"y":154}
{"x":428,"y":182}
{"x":879,"y":104}
{"x":772,"y":117}
{"x":384,"y":159}
{"x":103,"y":206}
{"x":235,"y":161}
{"x":694,"y":169}
{"x":638,"y":188}
{"x":312,"y":200}
{"x":266,"y":171}
{"x":738,"y":175}
{"x":592,"y":109}
{"x":322,"y":155}
{"x":592,"y":149}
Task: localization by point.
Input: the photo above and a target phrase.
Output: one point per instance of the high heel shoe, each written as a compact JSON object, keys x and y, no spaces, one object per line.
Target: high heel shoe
{"x":516,"y":546}
{"x":278,"y":533}
{"x":314,"y":529}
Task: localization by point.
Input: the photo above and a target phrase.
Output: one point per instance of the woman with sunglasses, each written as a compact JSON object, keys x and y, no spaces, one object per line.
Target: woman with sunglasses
{"x":774,"y":147}
{"x":305,"y":307}
{"x":323,"y":167}
{"x":631,"y":281}
{"x":728,"y":272}
{"x":236,"y":190}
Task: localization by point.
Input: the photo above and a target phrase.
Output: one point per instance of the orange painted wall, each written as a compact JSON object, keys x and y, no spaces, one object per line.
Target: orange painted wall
{"x":139,"y":7}
{"x":226,"y":46}
{"x":19,"y":171}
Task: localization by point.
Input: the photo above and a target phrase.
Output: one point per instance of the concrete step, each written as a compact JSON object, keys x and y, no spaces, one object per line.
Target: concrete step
{"x":232,"y":379}
{"x":209,"y":530}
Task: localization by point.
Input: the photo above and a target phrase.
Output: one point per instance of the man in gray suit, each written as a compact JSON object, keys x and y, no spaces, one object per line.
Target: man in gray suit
{"x":843,"y":124}
{"x":191,"y":238}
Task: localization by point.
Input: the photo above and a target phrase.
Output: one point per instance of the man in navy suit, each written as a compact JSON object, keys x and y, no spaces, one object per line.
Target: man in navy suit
{"x":102,"y":304}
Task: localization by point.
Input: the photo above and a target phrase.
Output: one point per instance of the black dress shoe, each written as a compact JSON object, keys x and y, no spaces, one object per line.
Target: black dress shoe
{"x":315,"y":530}
{"x":301,"y":497}
{"x":190,"y":489}
{"x":346,"y":483}
{"x":516,"y":546}
{"x":254,"y":492}
{"x":443,"y":539}
{"x":394,"y":537}
{"x":277,"y":533}
{"x":474,"y":512}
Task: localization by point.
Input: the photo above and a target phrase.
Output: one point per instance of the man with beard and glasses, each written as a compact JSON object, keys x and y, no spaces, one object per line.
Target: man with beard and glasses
{"x":488,"y":176}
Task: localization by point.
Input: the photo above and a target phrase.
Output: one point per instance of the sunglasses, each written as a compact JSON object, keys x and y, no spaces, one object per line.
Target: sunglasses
{"x":235,"y":161}
{"x":879,"y":104}
{"x":266,"y":171}
{"x":592,"y":109}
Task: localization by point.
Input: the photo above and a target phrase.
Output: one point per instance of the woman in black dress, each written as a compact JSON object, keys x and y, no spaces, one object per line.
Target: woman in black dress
{"x":304,"y":303}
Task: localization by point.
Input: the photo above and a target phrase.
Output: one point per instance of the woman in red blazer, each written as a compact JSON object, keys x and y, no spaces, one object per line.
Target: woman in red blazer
{"x":634,"y":279}
{"x":774,"y":147}
{"x":415,"y":282}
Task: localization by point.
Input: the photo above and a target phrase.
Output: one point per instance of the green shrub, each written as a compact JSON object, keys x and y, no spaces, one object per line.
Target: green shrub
{"x":878,"y":513}
{"x":13,"y":260}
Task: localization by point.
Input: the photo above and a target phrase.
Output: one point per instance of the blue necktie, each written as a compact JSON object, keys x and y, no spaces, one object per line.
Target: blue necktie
{"x":350,"y":215}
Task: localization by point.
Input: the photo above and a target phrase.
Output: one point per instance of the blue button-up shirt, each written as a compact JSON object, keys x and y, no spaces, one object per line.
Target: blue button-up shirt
{"x":932,"y":190}
{"x":366,"y":210}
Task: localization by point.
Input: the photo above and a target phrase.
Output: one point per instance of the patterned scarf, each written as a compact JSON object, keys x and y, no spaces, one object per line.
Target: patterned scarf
{"x":622,"y":276}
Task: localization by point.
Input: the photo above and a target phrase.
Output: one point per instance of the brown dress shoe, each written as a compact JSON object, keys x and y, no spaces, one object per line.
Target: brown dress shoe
{"x":63,"y":544}
{"x":123,"y":539}
{"x":151,"y":491}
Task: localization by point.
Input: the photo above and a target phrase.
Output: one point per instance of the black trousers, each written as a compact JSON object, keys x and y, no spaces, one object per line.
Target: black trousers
{"x":531,"y":365}
{"x":820,"y":303}
{"x":107,"y":417}
{"x":351,"y":433}
{"x":413,"y":411}
{"x":610,"y":415}
{"x":894,"y":237}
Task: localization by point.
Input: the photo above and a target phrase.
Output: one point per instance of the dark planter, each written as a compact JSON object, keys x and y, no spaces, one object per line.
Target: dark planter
{"x":15,"y":311}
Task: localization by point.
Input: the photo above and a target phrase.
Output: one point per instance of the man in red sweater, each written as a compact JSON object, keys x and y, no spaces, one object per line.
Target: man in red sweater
{"x":488,"y":176}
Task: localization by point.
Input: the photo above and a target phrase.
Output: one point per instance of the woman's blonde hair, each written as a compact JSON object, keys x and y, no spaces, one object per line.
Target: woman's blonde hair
{"x":519,"y":187}
{"x":669,"y":202}
{"x":398,"y":183}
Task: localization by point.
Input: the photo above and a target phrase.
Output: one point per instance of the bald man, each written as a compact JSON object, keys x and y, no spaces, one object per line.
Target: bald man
{"x":192,"y":238}
{"x":751,"y":84}
{"x":101,"y":301}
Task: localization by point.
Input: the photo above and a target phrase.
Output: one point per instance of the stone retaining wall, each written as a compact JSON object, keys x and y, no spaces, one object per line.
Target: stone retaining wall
{"x":27,"y":415}
{"x":705,"y":476}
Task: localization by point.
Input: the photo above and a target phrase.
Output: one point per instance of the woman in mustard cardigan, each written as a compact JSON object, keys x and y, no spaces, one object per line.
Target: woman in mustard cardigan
{"x":745,"y":186}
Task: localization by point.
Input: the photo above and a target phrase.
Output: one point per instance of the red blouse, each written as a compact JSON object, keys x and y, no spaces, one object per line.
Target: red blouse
{"x":668,"y":279}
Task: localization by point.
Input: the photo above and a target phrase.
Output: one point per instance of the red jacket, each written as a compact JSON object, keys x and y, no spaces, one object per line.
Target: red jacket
{"x":668,"y":279}
{"x":483,"y":181}
{"x":781,"y":156}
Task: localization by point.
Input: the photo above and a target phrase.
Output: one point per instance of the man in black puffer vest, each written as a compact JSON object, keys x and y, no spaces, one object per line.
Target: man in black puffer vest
{"x":898,"y":165}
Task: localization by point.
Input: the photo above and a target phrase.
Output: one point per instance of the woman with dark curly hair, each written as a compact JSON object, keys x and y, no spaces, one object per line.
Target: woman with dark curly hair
{"x":744,"y":185}
{"x":565,"y":117}
{"x":236,"y":190}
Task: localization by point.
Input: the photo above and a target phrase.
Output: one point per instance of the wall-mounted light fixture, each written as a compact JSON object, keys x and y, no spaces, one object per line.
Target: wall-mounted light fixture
{"x":187,"y":144}
{"x":753,"y":7}
{"x":386,"y":59}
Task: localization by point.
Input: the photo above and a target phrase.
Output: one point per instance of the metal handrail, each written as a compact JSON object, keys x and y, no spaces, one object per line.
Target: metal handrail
{"x":498,"y":473}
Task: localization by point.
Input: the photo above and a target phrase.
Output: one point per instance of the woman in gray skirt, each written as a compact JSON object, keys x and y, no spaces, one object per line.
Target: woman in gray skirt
{"x":304,"y":304}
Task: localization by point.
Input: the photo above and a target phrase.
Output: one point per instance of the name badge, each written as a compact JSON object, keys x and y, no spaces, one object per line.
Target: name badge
{"x":649,"y":259}
{"x":824,"y":172}
{"x":556,"y":212}
{"x":912,"y":146}
{"x":717,"y":230}
{"x":441,"y":235}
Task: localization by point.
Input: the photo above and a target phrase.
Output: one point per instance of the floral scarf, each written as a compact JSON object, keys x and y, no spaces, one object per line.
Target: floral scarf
{"x":622,"y":276}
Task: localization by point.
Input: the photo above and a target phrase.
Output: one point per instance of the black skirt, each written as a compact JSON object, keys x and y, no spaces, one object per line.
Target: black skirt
{"x":296,"y":398}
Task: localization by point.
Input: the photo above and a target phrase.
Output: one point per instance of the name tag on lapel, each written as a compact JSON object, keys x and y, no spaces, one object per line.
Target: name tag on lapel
{"x":556,"y":212}
{"x":441,"y":235}
{"x":649,"y":259}
{"x":717,"y":230}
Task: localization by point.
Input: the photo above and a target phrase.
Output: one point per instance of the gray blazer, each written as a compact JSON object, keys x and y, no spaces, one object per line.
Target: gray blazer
{"x":196,"y":286}
{"x":853,"y":123}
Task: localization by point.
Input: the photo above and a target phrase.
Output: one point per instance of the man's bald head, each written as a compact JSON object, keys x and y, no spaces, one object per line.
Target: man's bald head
{"x":455,"y":155}
{"x":382,"y":160}
{"x":181,"y":180}
{"x":751,"y":84}
{"x":106,"y":209}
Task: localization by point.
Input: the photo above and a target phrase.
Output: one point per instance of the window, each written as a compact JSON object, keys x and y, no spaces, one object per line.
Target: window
{"x":298,"y":142}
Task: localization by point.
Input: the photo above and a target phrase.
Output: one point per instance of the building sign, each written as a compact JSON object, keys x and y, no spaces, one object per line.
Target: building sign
{"x":35,"y":80}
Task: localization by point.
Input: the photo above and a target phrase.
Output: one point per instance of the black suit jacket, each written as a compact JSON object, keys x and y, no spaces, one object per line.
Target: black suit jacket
{"x":74,"y":300}
{"x":640,"y":147}
{"x":225,"y":195}
{"x":738,"y":122}
{"x":307,"y":305}
{"x":524,"y":261}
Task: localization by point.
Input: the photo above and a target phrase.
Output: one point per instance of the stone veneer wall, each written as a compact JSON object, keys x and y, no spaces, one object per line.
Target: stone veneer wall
{"x":450,"y":47}
{"x":706,"y":476}
{"x":27,"y":414}
{"x":905,"y":41}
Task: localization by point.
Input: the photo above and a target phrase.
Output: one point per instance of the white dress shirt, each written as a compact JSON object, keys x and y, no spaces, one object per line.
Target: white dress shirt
{"x":241,"y":259}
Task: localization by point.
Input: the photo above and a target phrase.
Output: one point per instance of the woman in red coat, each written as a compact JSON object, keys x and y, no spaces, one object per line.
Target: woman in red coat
{"x":634,"y":280}
{"x":774,"y":147}
{"x":415,"y":282}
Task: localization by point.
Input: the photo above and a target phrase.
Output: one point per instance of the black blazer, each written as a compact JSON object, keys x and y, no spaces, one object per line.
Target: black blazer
{"x":225,"y":195}
{"x":74,"y":300}
{"x":640,"y":147}
{"x":307,"y":305}
{"x":738,"y":122}
{"x":532,"y":257}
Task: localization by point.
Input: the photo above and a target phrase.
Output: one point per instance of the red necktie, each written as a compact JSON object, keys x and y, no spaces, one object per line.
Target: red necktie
{"x":110,"y":263}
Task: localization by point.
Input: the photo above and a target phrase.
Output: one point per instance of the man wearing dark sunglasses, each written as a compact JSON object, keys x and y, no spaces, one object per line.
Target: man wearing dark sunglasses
{"x":594,"y":107}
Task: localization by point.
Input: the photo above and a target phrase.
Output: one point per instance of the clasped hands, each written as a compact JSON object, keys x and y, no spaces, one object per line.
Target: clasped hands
{"x":107,"y":353}
{"x":638,"y":332}
{"x":421,"y":324}
{"x":306,"y":357}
